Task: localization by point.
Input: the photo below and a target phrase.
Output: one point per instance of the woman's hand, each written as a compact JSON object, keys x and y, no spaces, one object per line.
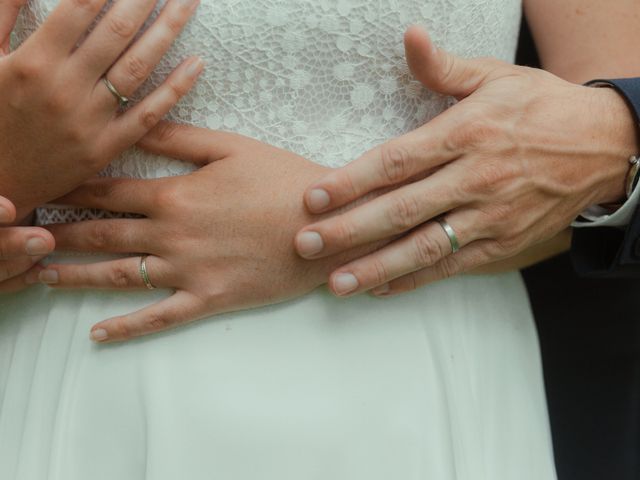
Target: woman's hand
{"x":222,"y":237}
{"x":21,"y":248}
{"x":58,"y":122}
{"x":509,"y":166}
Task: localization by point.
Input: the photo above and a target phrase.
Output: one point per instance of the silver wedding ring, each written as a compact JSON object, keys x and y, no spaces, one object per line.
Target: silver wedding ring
{"x":122,"y":100}
{"x":144,"y":273}
{"x":453,"y":238}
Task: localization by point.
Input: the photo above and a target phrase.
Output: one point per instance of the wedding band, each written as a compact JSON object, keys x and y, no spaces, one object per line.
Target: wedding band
{"x":122,"y":100}
{"x":453,"y":238}
{"x":144,"y":273}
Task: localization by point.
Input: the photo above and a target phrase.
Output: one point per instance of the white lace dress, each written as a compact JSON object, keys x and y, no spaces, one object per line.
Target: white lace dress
{"x":444,"y":383}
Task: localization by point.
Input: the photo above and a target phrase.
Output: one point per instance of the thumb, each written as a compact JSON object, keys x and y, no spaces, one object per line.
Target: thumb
{"x":7,"y":211}
{"x":441,"y":71}
{"x":9,"y":10}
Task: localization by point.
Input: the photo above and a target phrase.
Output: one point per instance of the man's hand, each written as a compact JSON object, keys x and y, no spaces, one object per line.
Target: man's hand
{"x":509,"y":166}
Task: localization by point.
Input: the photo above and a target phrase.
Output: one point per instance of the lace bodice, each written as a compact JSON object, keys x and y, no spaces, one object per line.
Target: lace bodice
{"x":326,"y":79}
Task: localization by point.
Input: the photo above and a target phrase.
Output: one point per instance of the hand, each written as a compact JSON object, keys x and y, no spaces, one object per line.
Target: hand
{"x":58,"y":122}
{"x":509,"y":166}
{"x":221,"y":237}
{"x":21,"y":248}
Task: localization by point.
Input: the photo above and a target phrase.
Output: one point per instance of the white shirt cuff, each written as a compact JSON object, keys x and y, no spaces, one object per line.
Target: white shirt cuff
{"x":596,"y":217}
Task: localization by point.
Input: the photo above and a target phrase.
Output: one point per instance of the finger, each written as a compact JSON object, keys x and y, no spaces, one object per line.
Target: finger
{"x":7,"y":211}
{"x":135,"y":66}
{"x":424,"y":247}
{"x":123,"y":195}
{"x":197,"y":145}
{"x":130,"y":127}
{"x":17,"y":266}
{"x":391,"y":214}
{"x":441,"y":71}
{"x":119,"y":235}
{"x":389,"y":164}
{"x":121,"y":274}
{"x":65,"y":26}
{"x":469,"y":258}
{"x":9,"y":10}
{"x":17,"y":242}
{"x":176,"y":310}
{"x":111,"y":36}
{"x":22,"y":281}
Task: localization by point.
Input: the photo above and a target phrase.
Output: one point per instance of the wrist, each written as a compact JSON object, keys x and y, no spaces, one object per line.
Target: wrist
{"x":622,"y":140}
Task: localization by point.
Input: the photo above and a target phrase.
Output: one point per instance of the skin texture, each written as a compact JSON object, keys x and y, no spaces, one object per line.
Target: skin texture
{"x":471,"y":152}
{"x":58,"y":116}
{"x":221,"y":237}
{"x":519,"y":157}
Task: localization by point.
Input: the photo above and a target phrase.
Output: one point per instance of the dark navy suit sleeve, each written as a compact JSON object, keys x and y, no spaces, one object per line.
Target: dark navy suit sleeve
{"x":611,"y":252}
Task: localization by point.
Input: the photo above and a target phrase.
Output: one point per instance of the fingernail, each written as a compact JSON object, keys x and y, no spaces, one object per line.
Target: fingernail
{"x":48,"y":277}
{"x":5,"y":217}
{"x":345,"y":283}
{"x":381,"y":290}
{"x":36,"y":246}
{"x":318,"y":199}
{"x":195,"y":67}
{"x":99,"y":335}
{"x":309,"y":243}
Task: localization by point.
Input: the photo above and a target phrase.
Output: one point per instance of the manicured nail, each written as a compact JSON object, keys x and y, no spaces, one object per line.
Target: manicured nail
{"x":49,"y":277}
{"x":318,"y":199}
{"x":195,"y":67}
{"x":36,"y":246}
{"x":345,"y":283}
{"x":99,"y":335}
{"x":309,"y":243}
{"x":4,"y":215}
{"x":381,"y":290}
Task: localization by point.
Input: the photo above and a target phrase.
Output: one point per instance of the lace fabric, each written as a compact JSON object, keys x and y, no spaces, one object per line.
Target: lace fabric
{"x":326,"y":79}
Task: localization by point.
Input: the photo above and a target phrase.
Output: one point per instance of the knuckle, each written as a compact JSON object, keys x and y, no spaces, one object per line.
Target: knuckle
{"x":174,"y":24}
{"x":344,"y":234}
{"x":99,"y":236}
{"x":449,"y":268}
{"x":404,"y":213}
{"x":177,"y":90}
{"x":93,"y":6}
{"x":379,"y":272}
{"x":28,"y":67}
{"x":137,"y":68}
{"x":157,"y":322}
{"x":487,"y":177}
{"x":427,"y":251}
{"x":121,"y":26}
{"x":165,"y":131}
{"x":149,"y":119}
{"x":168,"y":197}
{"x":395,"y":162}
{"x":119,"y":277}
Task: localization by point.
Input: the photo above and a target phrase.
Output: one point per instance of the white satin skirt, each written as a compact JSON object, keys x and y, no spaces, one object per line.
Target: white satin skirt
{"x":444,"y":383}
